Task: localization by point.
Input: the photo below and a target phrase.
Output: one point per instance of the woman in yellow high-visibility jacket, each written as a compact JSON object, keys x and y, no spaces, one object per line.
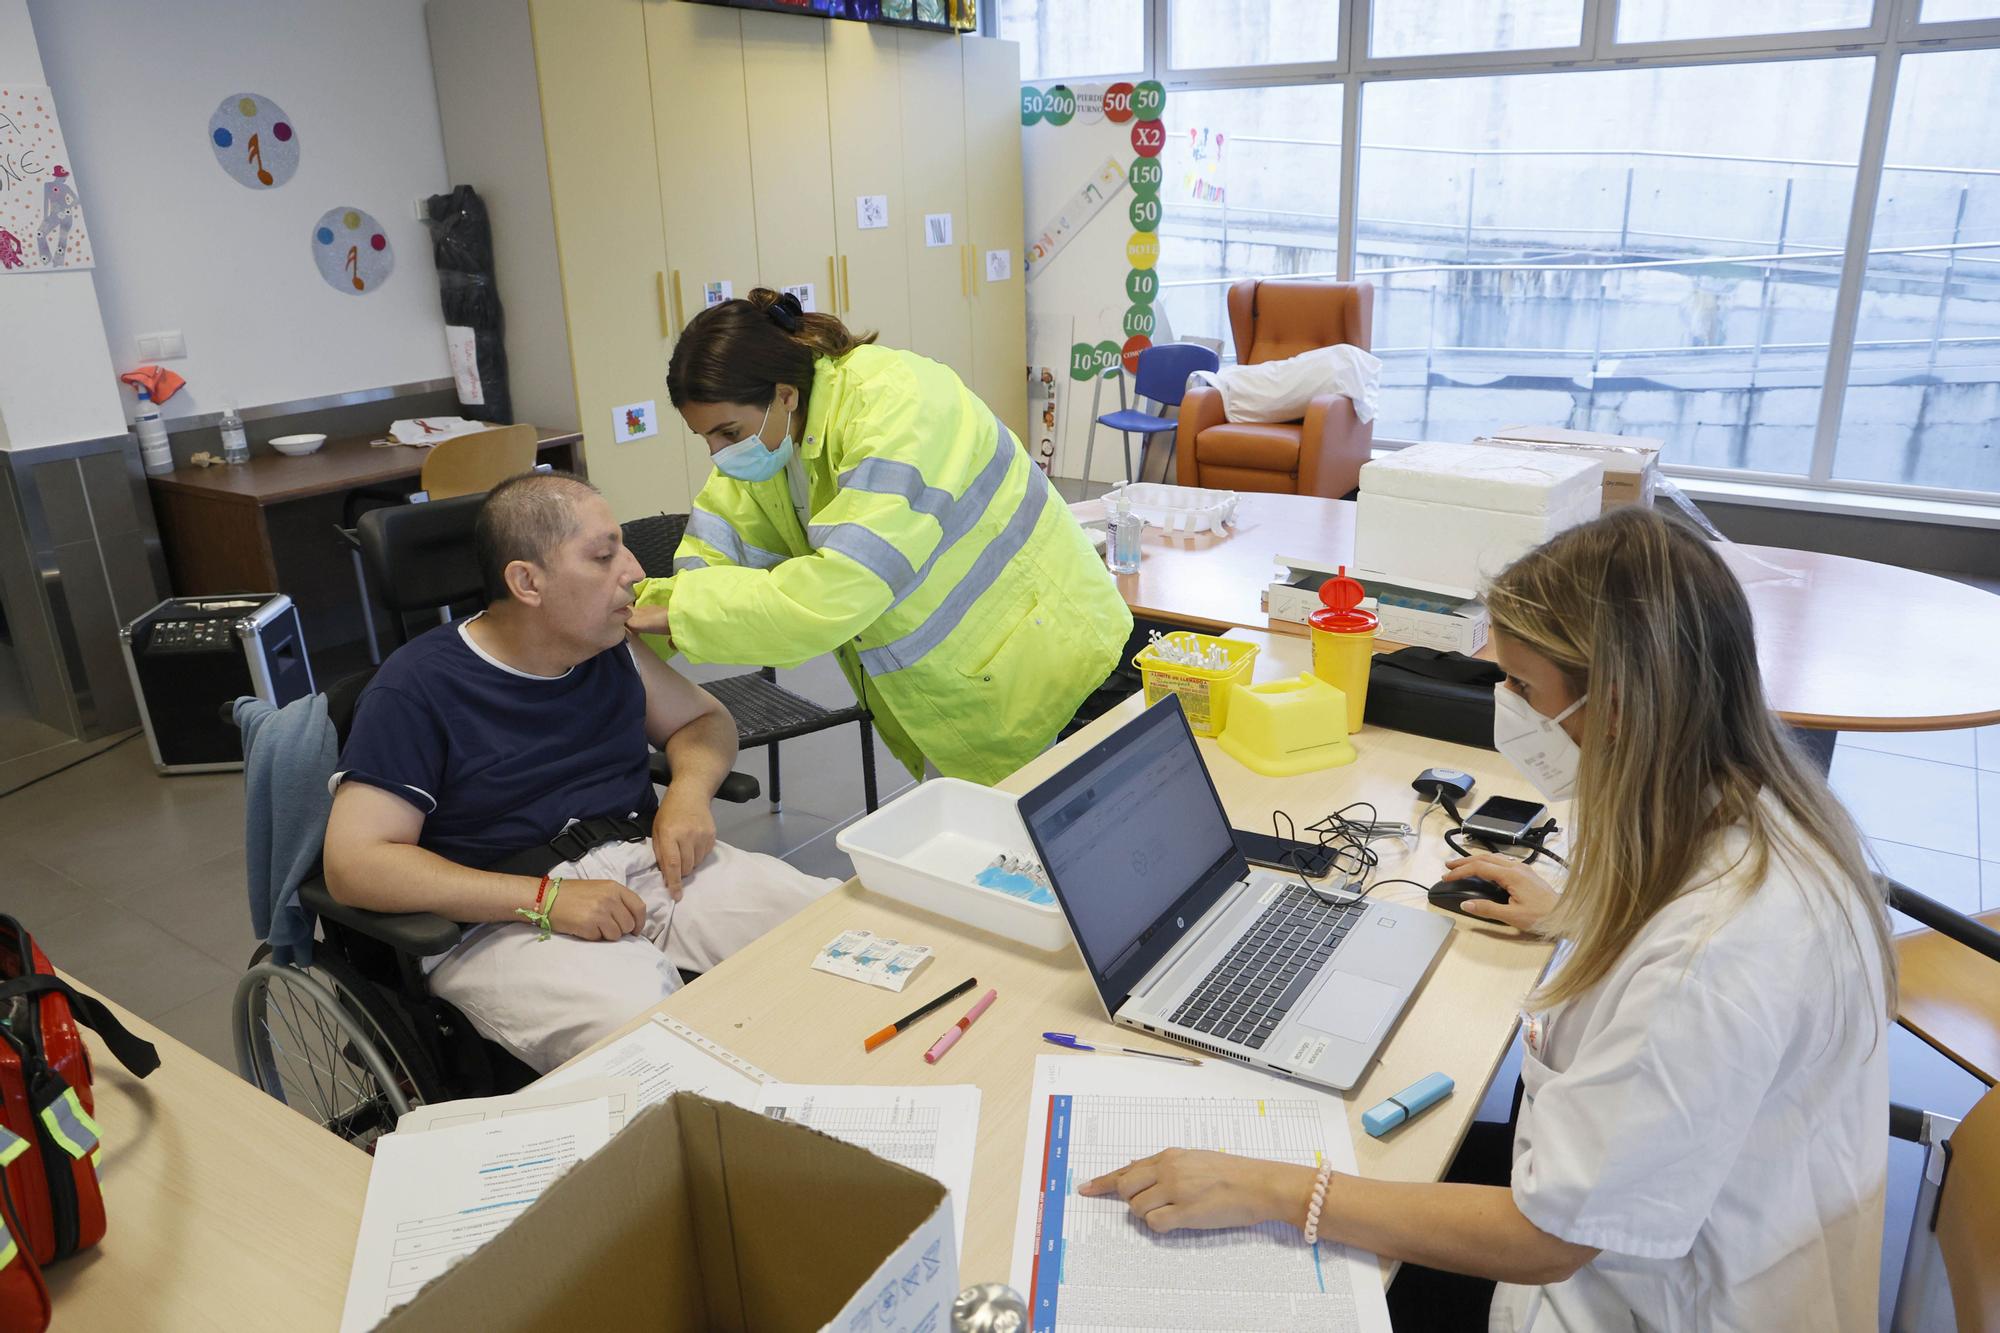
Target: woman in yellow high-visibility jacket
{"x":866,"y":503}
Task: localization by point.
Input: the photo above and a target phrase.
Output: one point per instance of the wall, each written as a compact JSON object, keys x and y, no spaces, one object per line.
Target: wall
{"x":56,"y":384}
{"x":180,"y":245}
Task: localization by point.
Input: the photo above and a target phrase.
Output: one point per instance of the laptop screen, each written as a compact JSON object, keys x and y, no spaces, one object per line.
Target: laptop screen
{"x":1136,"y":845}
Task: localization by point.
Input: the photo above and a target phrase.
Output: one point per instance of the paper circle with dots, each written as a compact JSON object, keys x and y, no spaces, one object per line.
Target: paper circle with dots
{"x":254,"y":141}
{"x":352,"y":251}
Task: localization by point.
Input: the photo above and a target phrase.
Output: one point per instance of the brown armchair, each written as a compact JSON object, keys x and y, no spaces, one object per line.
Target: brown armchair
{"x":1321,"y":455}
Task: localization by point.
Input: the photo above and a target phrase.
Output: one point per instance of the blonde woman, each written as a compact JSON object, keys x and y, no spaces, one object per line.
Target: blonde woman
{"x":1702,"y":1138}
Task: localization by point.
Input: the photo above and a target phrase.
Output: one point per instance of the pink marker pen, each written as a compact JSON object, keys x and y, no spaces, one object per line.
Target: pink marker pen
{"x":951,"y":1034}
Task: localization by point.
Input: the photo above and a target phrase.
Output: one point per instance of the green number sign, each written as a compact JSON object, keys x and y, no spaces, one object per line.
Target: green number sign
{"x":1148,"y":100}
{"x":1142,"y":285}
{"x":1145,"y":214}
{"x":1059,"y":105}
{"x":1139,"y":320}
{"x":1082,"y":361}
{"x":1145,"y":176}
{"x":1032,"y":104}
{"x":1110,"y":356}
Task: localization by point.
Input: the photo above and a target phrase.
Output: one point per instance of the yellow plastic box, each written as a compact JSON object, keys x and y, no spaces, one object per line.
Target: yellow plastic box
{"x":1204,"y":693}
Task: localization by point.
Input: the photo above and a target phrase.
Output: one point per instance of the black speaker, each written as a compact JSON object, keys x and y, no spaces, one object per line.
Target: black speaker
{"x":189,"y":656}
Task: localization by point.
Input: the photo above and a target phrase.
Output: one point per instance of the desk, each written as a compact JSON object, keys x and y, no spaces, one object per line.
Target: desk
{"x":215,"y":522}
{"x":226,"y":1210}
{"x":1845,"y":645}
{"x":767,"y":1005}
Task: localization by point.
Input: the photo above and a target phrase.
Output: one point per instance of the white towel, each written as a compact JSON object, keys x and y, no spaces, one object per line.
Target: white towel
{"x":1280,"y":390}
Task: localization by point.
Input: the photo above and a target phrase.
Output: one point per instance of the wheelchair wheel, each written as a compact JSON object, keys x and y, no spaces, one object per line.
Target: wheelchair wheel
{"x":321,"y":1041}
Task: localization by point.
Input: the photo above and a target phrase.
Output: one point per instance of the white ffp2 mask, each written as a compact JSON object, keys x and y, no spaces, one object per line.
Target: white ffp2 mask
{"x":1537,"y":744}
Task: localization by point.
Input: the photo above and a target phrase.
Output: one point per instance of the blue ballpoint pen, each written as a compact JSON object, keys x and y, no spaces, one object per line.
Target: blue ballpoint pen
{"x":1069,"y":1040}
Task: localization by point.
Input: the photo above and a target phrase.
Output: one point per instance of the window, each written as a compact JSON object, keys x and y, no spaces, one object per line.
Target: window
{"x":1252,"y":187}
{"x":1212,"y":34}
{"x":1685,"y":20}
{"x":1440,"y":27}
{"x":1952,"y":11}
{"x":1065,"y":39}
{"x":1651,"y":252}
{"x":1923,"y":390}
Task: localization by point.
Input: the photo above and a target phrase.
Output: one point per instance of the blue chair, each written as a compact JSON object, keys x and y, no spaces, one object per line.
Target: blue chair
{"x":1162,"y":378}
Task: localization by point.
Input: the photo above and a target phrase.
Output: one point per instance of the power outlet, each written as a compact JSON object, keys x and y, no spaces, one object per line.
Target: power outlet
{"x":167,"y":345}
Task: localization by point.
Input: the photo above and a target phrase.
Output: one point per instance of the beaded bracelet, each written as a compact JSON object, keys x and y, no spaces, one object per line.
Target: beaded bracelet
{"x":541,"y":913}
{"x":1318,"y":1200}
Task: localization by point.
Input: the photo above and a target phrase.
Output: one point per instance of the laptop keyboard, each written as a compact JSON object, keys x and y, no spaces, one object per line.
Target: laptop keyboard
{"x":1248,"y":993}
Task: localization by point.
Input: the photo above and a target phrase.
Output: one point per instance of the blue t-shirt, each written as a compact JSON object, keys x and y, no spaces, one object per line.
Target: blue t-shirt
{"x":500,"y":760}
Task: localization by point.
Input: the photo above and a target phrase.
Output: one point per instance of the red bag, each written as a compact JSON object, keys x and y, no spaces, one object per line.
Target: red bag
{"x":49,"y":1197}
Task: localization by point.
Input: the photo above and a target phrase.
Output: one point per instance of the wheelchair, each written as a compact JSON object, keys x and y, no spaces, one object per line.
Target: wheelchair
{"x":355,"y":1039}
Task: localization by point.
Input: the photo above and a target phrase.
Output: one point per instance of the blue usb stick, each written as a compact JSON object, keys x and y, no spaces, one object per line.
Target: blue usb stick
{"x":1405,"y":1105}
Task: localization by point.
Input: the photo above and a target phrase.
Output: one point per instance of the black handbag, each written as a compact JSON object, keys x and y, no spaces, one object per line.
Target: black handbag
{"x":1429,"y":692}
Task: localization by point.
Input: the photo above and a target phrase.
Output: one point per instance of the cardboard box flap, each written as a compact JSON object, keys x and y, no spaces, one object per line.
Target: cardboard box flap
{"x":610,"y":1246}
{"x":1472,"y":476}
{"x":790,"y":1222}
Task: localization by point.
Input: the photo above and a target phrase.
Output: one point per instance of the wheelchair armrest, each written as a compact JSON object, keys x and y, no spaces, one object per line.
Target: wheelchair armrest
{"x":736,"y":788}
{"x":419,"y":934}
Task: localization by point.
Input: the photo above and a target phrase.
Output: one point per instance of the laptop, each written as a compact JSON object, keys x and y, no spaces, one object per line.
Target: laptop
{"x":1184,"y":940}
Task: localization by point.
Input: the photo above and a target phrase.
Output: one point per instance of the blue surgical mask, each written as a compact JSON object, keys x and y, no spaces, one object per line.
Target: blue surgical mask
{"x":750,"y":459}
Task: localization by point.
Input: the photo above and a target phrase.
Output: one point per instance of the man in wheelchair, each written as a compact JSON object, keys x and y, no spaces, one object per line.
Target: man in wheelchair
{"x":496,"y":774}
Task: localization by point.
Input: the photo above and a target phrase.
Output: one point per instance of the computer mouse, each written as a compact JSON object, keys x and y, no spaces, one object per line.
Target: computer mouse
{"x":1451,"y":894}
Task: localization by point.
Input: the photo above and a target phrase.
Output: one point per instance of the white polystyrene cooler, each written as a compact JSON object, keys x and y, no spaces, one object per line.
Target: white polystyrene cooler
{"x":926,"y":848}
{"x":1447,"y":517}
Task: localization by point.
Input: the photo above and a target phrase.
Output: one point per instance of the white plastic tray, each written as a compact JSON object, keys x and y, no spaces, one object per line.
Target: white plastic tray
{"x":1182,"y":508}
{"x":927,"y":847}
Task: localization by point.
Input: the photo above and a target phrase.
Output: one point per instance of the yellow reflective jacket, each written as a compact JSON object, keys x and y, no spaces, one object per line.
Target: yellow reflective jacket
{"x":963,"y":600}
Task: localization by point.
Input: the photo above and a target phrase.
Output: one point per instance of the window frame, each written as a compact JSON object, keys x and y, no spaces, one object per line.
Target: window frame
{"x":1894,"y":30}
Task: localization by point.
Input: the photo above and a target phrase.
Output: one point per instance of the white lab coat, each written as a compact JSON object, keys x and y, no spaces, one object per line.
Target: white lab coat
{"x":1713,"y":1117}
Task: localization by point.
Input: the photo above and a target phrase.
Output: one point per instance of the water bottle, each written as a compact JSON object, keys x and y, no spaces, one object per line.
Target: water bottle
{"x":1122,"y":532}
{"x":235,"y":444}
{"x":153,"y":450}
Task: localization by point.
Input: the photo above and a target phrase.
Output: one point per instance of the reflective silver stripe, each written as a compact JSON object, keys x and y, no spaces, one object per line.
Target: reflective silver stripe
{"x":69,"y":1126}
{"x":868,"y":549}
{"x":682,"y":562}
{"x":959,"y":516}
{"x":938,"y":626}
{"x":707,"y":526}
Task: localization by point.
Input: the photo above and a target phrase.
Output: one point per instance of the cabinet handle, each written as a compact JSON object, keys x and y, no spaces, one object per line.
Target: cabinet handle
{"x":832,"y":289}
{"x":666,"y":328}
{"x":846,"y":291}
{"x":680,"y":320}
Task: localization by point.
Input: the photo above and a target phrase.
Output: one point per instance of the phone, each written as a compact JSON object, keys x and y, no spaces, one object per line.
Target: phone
{"x":1504,"y":818}
{"x":1309,"y":859}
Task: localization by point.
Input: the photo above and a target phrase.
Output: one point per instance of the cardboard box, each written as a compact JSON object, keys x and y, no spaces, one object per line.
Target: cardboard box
{"x":1447,"y":517}
{"x":1421,"y":620}
{"x":1631,"y":462}
{"x":702,"y":1215}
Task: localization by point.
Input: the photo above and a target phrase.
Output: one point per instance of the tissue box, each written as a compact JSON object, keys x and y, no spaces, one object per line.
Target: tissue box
{"x":1446,"y":517}
{"x":1631,"y":462}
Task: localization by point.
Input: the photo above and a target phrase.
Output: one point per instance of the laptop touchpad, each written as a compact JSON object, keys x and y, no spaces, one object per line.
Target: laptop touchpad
{"x":1350,"y":1006}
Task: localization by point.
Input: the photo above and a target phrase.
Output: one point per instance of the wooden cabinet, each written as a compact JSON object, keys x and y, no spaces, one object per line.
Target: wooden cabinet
{"x":685,"y":145}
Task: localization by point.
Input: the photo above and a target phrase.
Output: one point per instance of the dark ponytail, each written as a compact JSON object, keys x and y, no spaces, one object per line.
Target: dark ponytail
{"x":741,"y":351}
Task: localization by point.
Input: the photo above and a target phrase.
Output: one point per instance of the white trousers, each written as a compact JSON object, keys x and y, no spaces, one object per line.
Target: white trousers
{"x":547,"y":1000}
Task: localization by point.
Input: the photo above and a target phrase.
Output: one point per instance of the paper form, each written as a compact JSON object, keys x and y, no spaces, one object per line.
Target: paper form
{"x":932,"y":1130}
{"x":1088,"y":1264}
{"x":620,"y":1096}
{"x":434,"y":1198}
{"x":667,"y":1057}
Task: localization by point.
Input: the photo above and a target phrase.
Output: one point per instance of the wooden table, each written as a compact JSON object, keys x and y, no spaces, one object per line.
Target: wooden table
{"x":225,"y":1209}
{"x":215,"y":522}
{"x":767,"y":1005}
{"x":1845,"y":644}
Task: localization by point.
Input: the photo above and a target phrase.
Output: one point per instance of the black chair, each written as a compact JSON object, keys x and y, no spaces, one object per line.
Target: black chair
{"x":419,"y":557}
{"x":765,"y":711}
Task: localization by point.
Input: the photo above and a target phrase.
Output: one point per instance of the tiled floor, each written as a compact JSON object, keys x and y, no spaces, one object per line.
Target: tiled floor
{"x":135,"y":883}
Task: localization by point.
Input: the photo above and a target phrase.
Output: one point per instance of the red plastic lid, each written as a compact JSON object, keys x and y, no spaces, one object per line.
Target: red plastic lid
{"x":1339,"y":597}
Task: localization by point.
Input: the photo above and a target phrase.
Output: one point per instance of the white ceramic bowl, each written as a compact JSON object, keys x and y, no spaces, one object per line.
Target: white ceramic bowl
{"x":297,"y":446}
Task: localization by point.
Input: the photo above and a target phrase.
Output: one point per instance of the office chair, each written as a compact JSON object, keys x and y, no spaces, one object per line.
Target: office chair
{"x":470,"y":464}
{"x":1162,"y":378}
{"x":765,"y":711}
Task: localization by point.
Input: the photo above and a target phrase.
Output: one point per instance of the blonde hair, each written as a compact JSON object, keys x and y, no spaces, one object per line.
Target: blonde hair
{"x":1679,"y":744}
